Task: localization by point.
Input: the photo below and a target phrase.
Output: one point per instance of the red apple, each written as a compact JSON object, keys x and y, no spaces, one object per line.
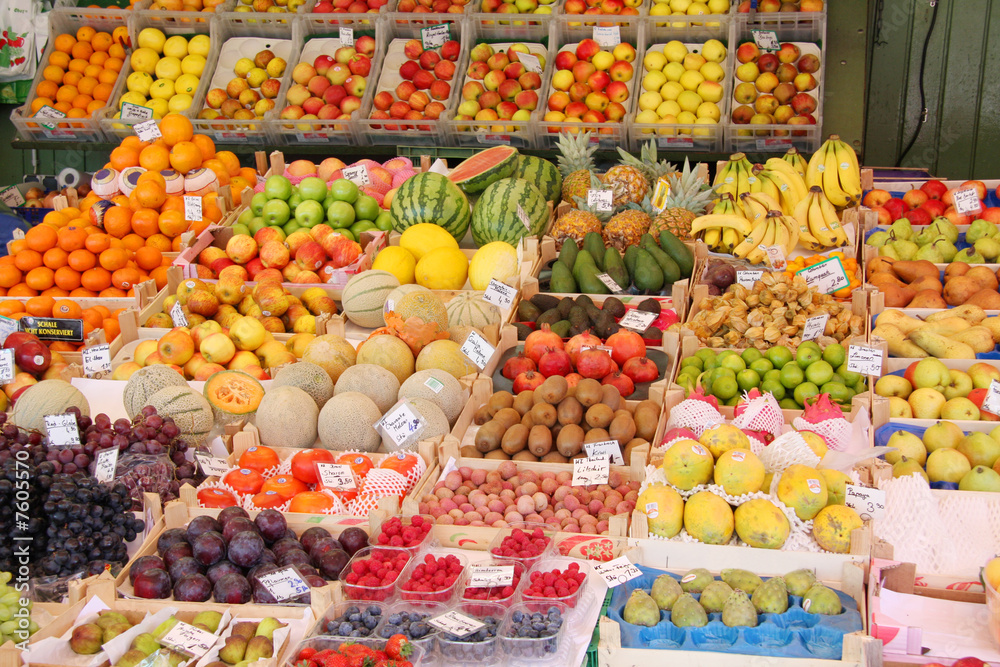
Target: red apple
{"x":934,"y":189}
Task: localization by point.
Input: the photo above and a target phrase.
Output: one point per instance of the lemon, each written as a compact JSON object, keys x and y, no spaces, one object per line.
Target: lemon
{"x":397,"y":261}
{"x":199,"y":45}
{"x":186,"y":84}
{"x":159,"y":107}
{"x":144,"y":59}
{"x":422,"y":238}
{"x":168,"y":67}
{"x":139,"y":82}
{"x":991,"y":573}
{"x":162,"y":89}
{"x":175,"y":47}
{"x":193,"y":64}
{"x":443,"y":268}
{"x":179,"y":103}
{"x":132,"y":97}
{"x":494,"y":260}
{"x":151,"y":38}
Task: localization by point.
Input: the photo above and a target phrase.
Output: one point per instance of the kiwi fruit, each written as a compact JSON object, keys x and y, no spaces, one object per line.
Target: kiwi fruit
{"x":596,"y":435}
{"x":497,"y":454}
{"x":544,"y":415}
{"x":622,"y":429}
{"x":523,"y":455}
{"x":646,"y":416}
{"x":524,"y":401}
{"x":470,"y":452}
{"x":570,"y":440}
{"x":552,"y":390}
{"x":539,"y":440}
{"x":554,"y":457}
{"x":588,"y":392}
{"x":482,"y":415}
{"x":599,"y":415}
{"x":528,"y":420}
{"x":629,"y":446}
{"x":508,"y":417}
{"x":611,"y":397}
{"x":500,"y":400}
{"x":515,"y":439}
{"x":570,"y":411}
{"x":489,"y":435}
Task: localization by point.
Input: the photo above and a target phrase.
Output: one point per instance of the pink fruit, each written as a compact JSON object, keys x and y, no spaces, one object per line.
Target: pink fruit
{"x":528,"y":380}
{"x":555,"y":362}
{"x":517,"y":365}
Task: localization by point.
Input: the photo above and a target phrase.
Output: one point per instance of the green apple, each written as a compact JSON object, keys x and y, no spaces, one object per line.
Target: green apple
{"x":257,"y":203}
{"x":309,"y":213}
{"x":340,"y":214}
{"x":247,"y":216}
{"x":256,"y":225}
{"x":312,"y":187}
{"x":344,"y":190}
{"x":240,"y":228}
{"x":384,"y":221}
{"x":366,"y":208}
{"x":276,"y":212}
{"x":277,"y":187}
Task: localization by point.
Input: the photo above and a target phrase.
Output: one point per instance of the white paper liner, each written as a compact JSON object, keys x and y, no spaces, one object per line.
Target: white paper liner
{"x":279,"y":638}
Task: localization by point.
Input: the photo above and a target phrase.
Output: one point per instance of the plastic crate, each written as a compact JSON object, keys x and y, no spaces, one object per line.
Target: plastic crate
{"x":74,"y":130}
{"x":320,"y":37}
{"x":789,"y":26}
{"x":278,"y":32}
{"x":520,"y":134}
{"x":181,"y":16}
{"x":336,"y":18}
{"x":105,"y":8}
{"x":487,"y":19}
{"x":393,"y":8}
{"x":400,"y":28}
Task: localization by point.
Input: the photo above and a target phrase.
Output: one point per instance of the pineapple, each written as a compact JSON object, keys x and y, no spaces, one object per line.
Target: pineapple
{"x":576,"y":163}
{"x":688,"y":198}
{"x":576,"y":223}
{"x":626,"y":228}
{"x":634,"y":177}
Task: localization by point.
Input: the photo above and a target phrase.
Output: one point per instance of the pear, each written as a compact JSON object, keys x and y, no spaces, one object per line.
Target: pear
{"x":210,"y":619}
{"x":944,"y":227}
{"x":878,"y":239}
{"x":926,"y":236}
{"x":821,"y":600}
{"x":262,"y":647}
{"x":131,"y":658}
{"x":174,"y":658}
{"x":907,"y":466}
{"x":905,"y":249}
{"x":929,"y":253}
{"x":969,"y":256}
{"x":114,"y":630}
{"x":714,"y":597}
{"x":146,"y":643}
{"x":641,"y":610}
{"x":86,"y":639}
{"x":110,"y":618}
{"x":245,"y":629}
{"x":771,"y":597}
{"x":743,"y":580}
{"x":979,"y":229}
{"x":234,"y":649}
{"x":980,"y":478}
{"x":988,"y":247}
{"x":696,"y":580}
{"x":687,"y":613}
{"x":799,"y":581}
{"x":946,"y":248}
{"x":739,"y":611}
{"x":901,"y":230}
{"x":665,"y":591}
{"x":164,"y":628}
{"x":267,"y":627}
{"x":888,"y":250}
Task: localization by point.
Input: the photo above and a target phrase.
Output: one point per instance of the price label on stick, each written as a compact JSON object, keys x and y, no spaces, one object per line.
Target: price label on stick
{"x":12,"y":196}
{"x":192,"y":209}
{"x":530,"y":62}
{"x":435,"y":35}
{"x":147,"y":130}
{"x":284,"y":584}
{"x":610,"y":283}
{"x":211,"y":466}
{"x":189,"y":639}
{"x":868,"y":503}
{"x":347,"y":36}
{"x":766,"y":40}
{"x":637,"y":320}
{"x":6,"y":365}
{"x":590,"y":471}
{"x":106,"y":464}
{"x":607,"y":36}
{"x":456,"y":623}
{"x":748,"y":277}
{"x":177,"y":315}
{"x":601,"y":200}
{"x":96,"y":360}
{"x":991,"y":403}
{"x":523,"y":217}
{"x":827,"y":276}
{"x":478,"y":350}
{"x":401,"y":424}
{"x":617,"y":571}
{"x":864,"y":360}
{"x":967,"y":202}
{"x":607,"y":450}
{"x":500,"y":294}
{"x":358,"y":174}
{"x":336,"y":476}
{"x":487,"y":576}
{"x":62,"y":430}
{"x":814,"y":327}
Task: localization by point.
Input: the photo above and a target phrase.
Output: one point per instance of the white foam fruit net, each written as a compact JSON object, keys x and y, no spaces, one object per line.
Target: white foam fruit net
{"x":836,"y":432}
{"x":946,"y":534}
{"x":761,"y":414}
{"x":694,"y":415}
{"x":785,"y":450}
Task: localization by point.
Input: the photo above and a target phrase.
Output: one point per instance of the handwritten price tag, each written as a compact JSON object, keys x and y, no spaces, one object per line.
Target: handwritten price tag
{"x":864,"y":360}
{"x":135,"y":112}
{"x":590,"y":471}
{"x":478,"y":350}
{"x":6,"y":365}
{"x":606,"y":450}
{"x":358,"y":174}
{"x":530,"y":62}
{"x":11,"y":196}
{"x":7,"y":327}
{"x":188,"y":639}
{"x":815,"y":326}
{"x":748,"y":277}
{"x":455,"y":623}
{"x":766,"y":40}
{"x":49,"y":112}
{"x":106,"y":464}
{"x":610,"y":283}
{"x":617,"y":571}
{"x":401,"y":425}
{"x":967,"y":201}
{"x":211,"y":466}
{"x":601,"y":200}
{"x":147,"y":130}
{"x":826,"y":277}
{"x":347,"y":36}
{"x":868,"y":503}
{"x":177,"y":315}
{"x":435,"y":35}
{"x":284,"y":584}
{"x":336,"y":476}
{"x":991,"y":403}
{"x":487,"y":576}
{"x":500,"y":294}
{"x":62,"y":430}
{"x":637,"y":320}
{"x":96,"y":360}
{"x":192,"y":209}
{"x":607,"y":35}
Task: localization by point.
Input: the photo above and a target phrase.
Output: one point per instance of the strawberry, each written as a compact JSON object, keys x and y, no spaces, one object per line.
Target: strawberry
{"x":305,"y":662}
{"x":394,"y":663}
{"x":398,"y":646}
{"x":307,"y":653}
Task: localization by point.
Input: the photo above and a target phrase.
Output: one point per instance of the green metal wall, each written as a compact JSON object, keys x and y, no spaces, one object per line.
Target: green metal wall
{"x":962,"y":134}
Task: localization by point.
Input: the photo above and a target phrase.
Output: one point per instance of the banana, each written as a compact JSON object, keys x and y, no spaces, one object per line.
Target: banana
{"x":776,"y":188}
{"x":832,"y":187}
{"x":830,"y":218}
{"x":738,"y":223}
{"x":727,"y":206}
{"x":781,"y":235}
{"x":768,"y":185}
{"x":801,"y":218}
{"x":725,"y":180}
{"x":787,"y":175}
{"x":758,"y":255}
{"x":793,"y":233}
{"x":746,"y":178}
{"x":753,"y":209}
{"x":730,"y":239}
{"x":816,"y":167}
{"x":819,"y":225}
{"x":752,"y":240}
{"x":847,"y":168}
{"x":794,"y":158}
{"x":712,"y":236}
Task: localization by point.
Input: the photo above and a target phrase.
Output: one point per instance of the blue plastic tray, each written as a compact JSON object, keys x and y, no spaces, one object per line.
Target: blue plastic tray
{"x":794,"y":634}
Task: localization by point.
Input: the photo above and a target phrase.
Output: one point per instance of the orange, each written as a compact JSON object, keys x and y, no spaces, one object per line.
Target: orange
{"x":101,"y":41}
{"x":210,"y":210}
{"x":82,"y":50}
{"x":236,"y":187}
{"x":11,"y":307}
{"x":21,"y":290}
{"x":158,"y":241}
{"x":78,"y":65}
{"x":28,"y":259}
{"x":154,"y":176}
{"x":173,"y":203}
{"x":148,"y":258}
{"x":40,"y":102}
{"x":54,"y":292}
{"x":133,"y":242}
{"x":96,"y":105}
{"x":219,"y":169}
{"x":111,"y":328}
{"x":110,"y":293}
{"x":250,"y":174}
{"x":159,"y":275}
{"x":150,"y":194}
{"x":117,"y":223}
{"x":39,"y":306}
{"x":117,"y":51}
{"x":102,"y":91}
{"x":172,"y":223}
{"x":230,"y":160}
{"x":9,"y":276}
{"x":59,"y":59}
{"x":15,"y":247}
{"x":65,"y":107}
{"x":108,"y":76}
{"x":114,"y":63}
{"x":99,"y":58}
{"x":123,"y":157}
{"x":96,"y":279}
{"x":93,"y":317}
{"x":80,"y":291}
{"x":92,"y":71}
{"x":205,"y":145}
{"x":120,"y":36}
{"x":82,"y":101}
{"x":185,"y":156}
{"x":85,"y":33}
{"x":113,"y":259}
{"x":81,"y":260}
{"x":145,"y":222}
{"x":67,"y":278}
{"x":175,"y":243}
{"x":40,"y":278}
{"x":65,"y":43}
{"x":125,"y":278}
{"x":53,"y":73}
{"x":68,"y":309}
{"x":156,"y":158}
{"x":47,"y":89}
{"x":176,"y":128}
{"x":41,"y":238}
{"x":72,"y":238}
{"x":55,"y":258}
{"x":66,"y":94}
{"x":71,"y":79}
{"x":86,"y":85}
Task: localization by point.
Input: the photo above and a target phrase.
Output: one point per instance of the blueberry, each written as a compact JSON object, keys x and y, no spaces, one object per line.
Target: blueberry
{"x":371,"y":622}
{"x":517,"y":616}
{"x":374,"y":611}
{"x":395,"y":619}
{"x":419,"y":629}
{"x":355,"y":617}
{"x":523,"y":631}
{"x":352,"y":610}
{"x":345,"y":629}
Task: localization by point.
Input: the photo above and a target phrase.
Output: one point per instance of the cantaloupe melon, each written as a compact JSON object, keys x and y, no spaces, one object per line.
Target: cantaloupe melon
{"x":147,"y":381}
{"x":445,"y":355}
{"x":435,"y":421}
{"x":397,"y":294}
{"x":48,"y":397}
{"x":345,"y":422}
{"x":287,"y":417}
{"x":363,"y":298}
{"x":375,"y":382}
{"x":190,"y":411}
{"x":332,"y":353}
{"x":460,"y":334}
{"x":233,"y":395}
{"x":308,"y":377}
{"x":428,"y":306}
{"x":469,"y":309}
{"x":438,"y":387}
{"x":390,"y":353}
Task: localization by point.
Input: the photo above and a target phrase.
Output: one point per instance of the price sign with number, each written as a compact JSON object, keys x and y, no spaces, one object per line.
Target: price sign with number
{"x":601,"y":200}
{"x":401,"y":424}
{"x":814,"y":327}
{"x":991,"y":403}
{"x":96,"y":360}
{"x":192,"y":209}
{"x":766,"y":40}
{"x":827,"y":276}
{"x":336,"y":476}
{"x":135,"y":112}
{"x":211,"y":466}
{"x":864,"y":360}
{"x":358,"y":174}
{"x":12,"y":196}
{"x":748,"y":277}
{"x":637,"y":320}
{"x":347,"y":36}
{"x":147,"y":130}
{"x":610,"y":283}
{"x":106,"y":464}
{"x":62,"y":430}
{"x":284,"y":584}
{"x":606,"y":450}
{"x":868,"y":503}
{"x":967,"y":201}
{"x":500,"y":294}
{"x":478,"y":350}
{"x":434,"y":36}
{"x":487,"y":576}
{"x":617,"y":571}
{"x":189,"y":639}
{"x":530,"y":62}
{"x":49,"y":112}
{"x":607,"y":36}
{"x":6,"y":365}
{"x":177,"y":315}
{"x":456,"y":623}
{"x":590,"y":471}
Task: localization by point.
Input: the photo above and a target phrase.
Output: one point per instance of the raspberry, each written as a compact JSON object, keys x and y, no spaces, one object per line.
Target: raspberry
{"x":416,"y":521}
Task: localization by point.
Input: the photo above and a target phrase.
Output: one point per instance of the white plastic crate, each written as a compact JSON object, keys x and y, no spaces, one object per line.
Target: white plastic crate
{"x":337,"y":18}
{"x":478,"y":15}
{"x":789,"y":26}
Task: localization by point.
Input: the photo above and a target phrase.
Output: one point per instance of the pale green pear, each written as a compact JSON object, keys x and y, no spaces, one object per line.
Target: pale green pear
{"x":928,"y":253}
{"x":969,"y":256}
{"x":878,"y":239}
{"x":946,"y":228}
{"x":905,"y":249}
{"x":979,"y":229}
{"x":902,"y":230}
{"x":988,"y":247}
{"x":267,"y":627}
{"x":946,"y":248}
{"x":210,"y":619}
{"x":907,"y":466}
{"x":926,"y":236}
{"x":146,"y":643}
{"x":888,"y":251}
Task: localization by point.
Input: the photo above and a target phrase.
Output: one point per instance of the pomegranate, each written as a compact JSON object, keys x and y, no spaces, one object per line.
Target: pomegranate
{"x":527,"y":380}
{"x":594,"y":364}
{"x":517,"y":365}
{"x":675,"y":433}
{"x":555,"y":362}
{"x":640,"y":369}
{"x":572,"y":379}
{"x":626,"y":344}
{"x":541,"y":341}
{"x":586,"y":339}
{"x":622,"y":382}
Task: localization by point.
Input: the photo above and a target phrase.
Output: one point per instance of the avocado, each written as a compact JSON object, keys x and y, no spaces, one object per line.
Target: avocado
{"x":527,"y":311}
{"x":565,"y":305}
{"x":594,"y":244}
{"x":545,"y":301}
{"x":549,"y":317}
{"x":561,"y":327}
{"x":614,"y":266}
{"x":522,"y":330}
{"x":631,"y":253}
{"x":562,"y":279}
{"x":614,"y":306}
{"x":650,"y":306}
{"x":648,"y":274}
{"x":567,"y":255}
{"x":679,"y":252}
{"x":671,"y":272}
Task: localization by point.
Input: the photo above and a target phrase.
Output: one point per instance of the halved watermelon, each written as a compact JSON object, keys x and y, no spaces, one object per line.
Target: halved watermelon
{"x":478,"y":172}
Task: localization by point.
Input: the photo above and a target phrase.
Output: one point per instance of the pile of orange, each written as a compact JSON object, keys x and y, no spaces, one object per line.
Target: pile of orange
{"x":850,"y":267}
{"x":95,"y":317}
{"x":81,"y":72}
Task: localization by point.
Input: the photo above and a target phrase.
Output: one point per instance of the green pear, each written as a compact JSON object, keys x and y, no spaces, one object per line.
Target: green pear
{"x":262,"y":647}
{"x":945,"y":247}
{"x":907,"y":466}
{"x":944,"y":434}
{"x":905,"y":249}
{"x":888,"y":250}
{"x":108,"y":618}
{"x":267,"y":627}
{"x":131,"y":658}
{"x":946,"y":228}
{"x":969,"y":256}
{"x":164,"y":628}
{"x":233,"y":650}
{"x":906,"y":444}
{"x":980,"y":478}
{"x":210,"y":619}
{"x":114,"y":630}
{"x":979,"y":229}
{"x":926,"y":236}
{"x":929,"y":253}
{"x":988,"y":247}
{"x":878,"y":239}
{"x":902,"y":230}
{"x":174,"y":658}
{"x":947,"y":465}
{"x":146,"y":643}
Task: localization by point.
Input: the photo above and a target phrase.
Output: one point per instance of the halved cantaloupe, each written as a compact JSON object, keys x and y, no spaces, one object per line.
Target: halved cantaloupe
{"x":233,"y":395}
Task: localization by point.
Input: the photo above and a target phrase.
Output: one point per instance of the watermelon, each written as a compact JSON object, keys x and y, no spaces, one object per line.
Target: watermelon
{"x":496,"y":218}
{"x":484,"y":168}
{"x":430,"y":197}
{"x":540,"y":173}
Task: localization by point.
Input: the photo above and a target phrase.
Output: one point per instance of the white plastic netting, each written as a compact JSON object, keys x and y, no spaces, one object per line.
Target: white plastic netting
{"x":694,"y":415}
{"x":836,"y":432}
{"x":787,"y":449}
{"x":761,"y":414}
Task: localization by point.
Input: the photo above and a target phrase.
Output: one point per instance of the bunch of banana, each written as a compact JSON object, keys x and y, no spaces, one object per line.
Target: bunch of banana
{"x":736,"y":177}
{"x":819,"y":227}
{"x":773,"y":229}
{"x":780,"y":180}
{"x":723,"y":228}
{"x":756,"y":206}
{"x":794,"y":158}
{"x":834,"y":167}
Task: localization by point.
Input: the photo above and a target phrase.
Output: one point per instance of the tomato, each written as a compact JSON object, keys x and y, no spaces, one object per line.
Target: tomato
{"x":244,"y":480}
{"x":268,"y":500}
{"x":311,"y":502}
{"x":259,"y":458}
{"x":359,"y":463}
{"x":304,"y":464}
{"x":216,"y":498}
{"x":285,"y":486}
{"x":401,"y":462}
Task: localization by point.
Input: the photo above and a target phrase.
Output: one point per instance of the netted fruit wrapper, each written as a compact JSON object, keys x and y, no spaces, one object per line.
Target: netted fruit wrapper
{"x":785,"y":450}
{"x":694,"y":415}
{"x":760,"y":414}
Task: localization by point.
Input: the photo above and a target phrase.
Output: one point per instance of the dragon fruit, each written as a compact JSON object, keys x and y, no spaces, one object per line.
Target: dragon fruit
{"x":741,"y":407}
{"x":821,"y":409}
{"x":699,"y":395}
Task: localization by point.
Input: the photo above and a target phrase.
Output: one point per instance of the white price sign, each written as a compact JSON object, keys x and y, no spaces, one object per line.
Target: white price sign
{"x":530,"y":62}
{"x":435,"y":35}
{"x":7,"y":327}
{"x":434,"y":385}
{"x":500,"y":294}
{"x":211,"y":466}
{"x":637,"y":320}
{"x":358,"y":174}
{"x":766,"y":40}
{"x":590,"y":471}
{"x":487,"y":576}
{"x":347,"y":36}
{"x":11,"y":196}
{"x":868,"y":503}
{"x":96,"y":360}
{"x":478,"y":350}
{"x":967,"y":201}
{"x":49,"y":112}
{"x":192,"y":209}
{"x":135,"y":112}
{"x":991,"y":403}
{"x":62,"y":430}
{"x":284,"y":584}
{"x":674,"y":142}
{"x":617,"y":571}
{"x":147,"y":130}
{"x":610,"y":283}
{"x":827,"y":276}
{"x":336,"y":476}
{"x":815,"y":326}
{"x":6,"y":365}
{"x":189,"y":639}
{"x":864,"y":360}
{"x":607,"y":35}
{"x":748,"y":277}
{"x":401,"y":424}
{"x":605,"y":450}
{"x":177,"y":315}
{"x":775,"y":257}
{"x":455,"y":623}
{"x":601,"y":200}
{"x":523,"y":217}
{"x":106,"y":464}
